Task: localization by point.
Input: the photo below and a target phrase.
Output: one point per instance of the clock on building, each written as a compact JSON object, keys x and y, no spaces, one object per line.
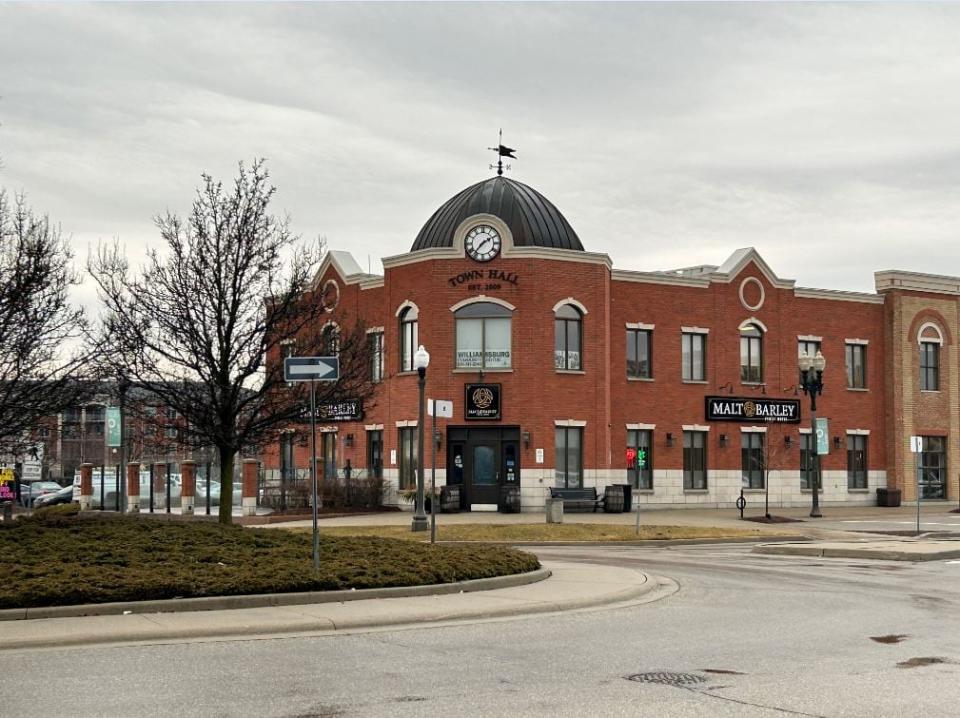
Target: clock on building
{"x":482,"y":243}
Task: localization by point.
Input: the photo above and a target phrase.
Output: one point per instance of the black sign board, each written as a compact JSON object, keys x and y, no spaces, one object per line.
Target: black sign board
{"x":733,"y":408}
{"x":482,"y":401}
{"x":348,"y":410}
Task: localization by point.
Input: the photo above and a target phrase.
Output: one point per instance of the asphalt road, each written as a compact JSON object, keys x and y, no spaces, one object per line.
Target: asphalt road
{"x":750,"y":635}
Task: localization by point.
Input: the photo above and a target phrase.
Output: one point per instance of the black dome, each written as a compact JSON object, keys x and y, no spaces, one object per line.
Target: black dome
{"x":531,"y":217}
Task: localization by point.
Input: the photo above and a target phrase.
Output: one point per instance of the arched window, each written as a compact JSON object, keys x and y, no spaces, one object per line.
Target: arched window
{"x":330,"y":339}
{"x":483,"y":336}
{"x":568,"y":341}
{"x":409,"y":336}
{"x":751,"y":353}
{"x":930,"y":339}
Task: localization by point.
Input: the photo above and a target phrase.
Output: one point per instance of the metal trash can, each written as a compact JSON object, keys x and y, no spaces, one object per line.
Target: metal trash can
{"x":888,"y":497}
{"x":554,"y":511}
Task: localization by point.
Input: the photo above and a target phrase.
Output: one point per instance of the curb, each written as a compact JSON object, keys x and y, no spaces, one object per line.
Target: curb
{"x":265,"y":600}
{"x":642,"y":542}
{"x":852,"y":552}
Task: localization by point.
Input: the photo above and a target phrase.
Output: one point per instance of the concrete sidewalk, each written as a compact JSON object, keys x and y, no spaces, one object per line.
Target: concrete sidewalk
{"x":571,"y":586}
{"x":892,"y":549}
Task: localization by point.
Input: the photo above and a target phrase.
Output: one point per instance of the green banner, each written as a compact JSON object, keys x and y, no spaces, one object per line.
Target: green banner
{"x":113,"y":426}
{"x":823,"y":434}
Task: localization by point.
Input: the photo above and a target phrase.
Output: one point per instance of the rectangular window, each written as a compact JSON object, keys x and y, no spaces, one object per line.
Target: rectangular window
{"x":483,"y":343}
{"x":751,"y":355}
{"x":694,"y":357}
{"x":856,"y":461}
{"x":808,"y":347}
{"x":171,"y":432}
{"x":375,"y":343}
{"x":640,"y":472}
{"x":171,"y":413}
{"x":932,"y":467}
{"x":408,"y":457}
{"x":929,"y":366}
{"x":375,"y":454}
{"x":856,"y":366}
{"x":569,"y":457}
{"x":328,"y":455}
{"x":694,"y":460}
{"x":751,"y":459}
{"x":409,"y":336}
{"x":640,"y":353}
{"x":808,"y":461}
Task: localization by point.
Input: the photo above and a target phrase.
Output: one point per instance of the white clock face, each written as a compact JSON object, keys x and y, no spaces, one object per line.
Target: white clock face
{"x":482,"y":243}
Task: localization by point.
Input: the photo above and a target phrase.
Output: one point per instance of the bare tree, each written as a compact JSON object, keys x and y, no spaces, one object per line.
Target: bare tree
{"x":197,"y":326}
{"x":42,"y":352}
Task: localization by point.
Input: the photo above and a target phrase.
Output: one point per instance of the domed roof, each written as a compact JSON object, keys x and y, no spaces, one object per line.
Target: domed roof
{"x":531,"y":217}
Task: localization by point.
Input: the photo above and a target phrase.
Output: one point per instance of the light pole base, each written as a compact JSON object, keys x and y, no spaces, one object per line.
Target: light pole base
{"x":419,"y":523}
{"x":815,"y":514}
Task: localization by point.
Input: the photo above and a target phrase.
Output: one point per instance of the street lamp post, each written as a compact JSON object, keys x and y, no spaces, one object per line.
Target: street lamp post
{"x":421,"y":360}
{"x":811,"y":381}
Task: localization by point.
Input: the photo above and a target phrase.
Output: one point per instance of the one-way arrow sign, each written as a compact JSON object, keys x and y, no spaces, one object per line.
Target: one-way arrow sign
{"x":311,"y":368}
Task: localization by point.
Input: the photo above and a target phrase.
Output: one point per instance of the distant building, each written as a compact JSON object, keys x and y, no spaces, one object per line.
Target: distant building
{"x":559,"y":364}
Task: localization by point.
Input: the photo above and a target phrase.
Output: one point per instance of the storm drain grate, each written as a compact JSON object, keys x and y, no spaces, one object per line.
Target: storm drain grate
{"x":667,"y":678}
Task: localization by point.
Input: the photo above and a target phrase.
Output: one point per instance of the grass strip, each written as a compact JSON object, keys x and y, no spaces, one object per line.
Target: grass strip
{"x":55,"y":559}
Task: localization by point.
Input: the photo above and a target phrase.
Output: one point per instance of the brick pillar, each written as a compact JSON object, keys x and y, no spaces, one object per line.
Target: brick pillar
{"x":86,"y":487}
{"x":251,"y":468}
{"x":133,"y":487}
{"x":159,"y":485}
{"x":188,"y":486}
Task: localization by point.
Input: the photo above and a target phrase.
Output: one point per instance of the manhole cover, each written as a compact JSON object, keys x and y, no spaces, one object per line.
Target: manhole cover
{"x":667,"y":678}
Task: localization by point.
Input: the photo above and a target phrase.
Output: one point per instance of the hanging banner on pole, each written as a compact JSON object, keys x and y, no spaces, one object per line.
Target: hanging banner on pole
{"x":823,"y":433}
{"x":113,"y":426}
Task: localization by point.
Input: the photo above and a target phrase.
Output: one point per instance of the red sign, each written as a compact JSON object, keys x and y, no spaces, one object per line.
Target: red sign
{"x":631,"y":455}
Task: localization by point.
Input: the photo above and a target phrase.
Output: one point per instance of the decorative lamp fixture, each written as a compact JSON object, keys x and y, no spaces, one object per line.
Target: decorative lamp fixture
{"x":788,"y":441}
{"x":348,"y":441}
{"x":669,"y":439}
{"x":437,"y":438}
{"x":836,"y":442}
{"x":526,"y":439}
{"x":421,"y":360}
{"x":723,"y":439}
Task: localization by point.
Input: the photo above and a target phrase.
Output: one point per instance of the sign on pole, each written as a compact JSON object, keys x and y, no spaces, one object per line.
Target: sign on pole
{"x":8,"y":484}
{"x":916,"y":444}
{"x":113,"y":426}
{"x":823,"y":431}
{"x":311,"y":368}
{"x":444,"y":409}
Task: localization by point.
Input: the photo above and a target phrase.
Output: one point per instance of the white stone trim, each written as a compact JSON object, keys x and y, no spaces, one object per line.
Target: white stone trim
{"x":927,"y":340}
{"x":745,"y":324}
{"x":763,"y":294}
{"x":859,"y":432}
{"x":375,"y":330}
{"x":406,"y":422}
{"x":694,"y":330}
{"x":805,"y":431}
{"x":373,"y":427}
{"x":640,"y":325}
{"x":328,"y":429}
{"x":694,"y":427}
{"x":738,"y":261}
{"x":641,"y":427}
{"x":407,"y":304}
{"x":753,"y":430}
{"x":572,"y":301}
{"x":569,"y":422}
{"x":629,"y":275}
{"x":916,"y":281}
{"x":861,"y":342}
{"x":482,"y":298}
{"x":837,"y":295}
{"x":539,"y":253}
{"x":809,"y":338}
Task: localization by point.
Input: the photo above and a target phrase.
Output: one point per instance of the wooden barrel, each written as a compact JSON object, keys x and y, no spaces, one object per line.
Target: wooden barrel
{"x":510,"y":500}
{"x":613,"y":499}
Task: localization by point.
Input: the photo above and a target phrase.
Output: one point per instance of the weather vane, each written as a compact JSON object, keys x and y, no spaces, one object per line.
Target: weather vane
{"x":501,"y":153}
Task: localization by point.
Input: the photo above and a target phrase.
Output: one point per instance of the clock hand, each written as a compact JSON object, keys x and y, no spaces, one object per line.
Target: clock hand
{"x":482,"y":243}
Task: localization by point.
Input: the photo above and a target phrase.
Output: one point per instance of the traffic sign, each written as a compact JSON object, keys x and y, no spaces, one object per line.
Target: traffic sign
{"x":311,"y":368}
{"x":444,"y":409}
{"x":916,"y":444}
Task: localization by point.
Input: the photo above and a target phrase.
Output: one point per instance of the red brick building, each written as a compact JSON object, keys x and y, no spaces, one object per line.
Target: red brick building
{"x":557,"y":363}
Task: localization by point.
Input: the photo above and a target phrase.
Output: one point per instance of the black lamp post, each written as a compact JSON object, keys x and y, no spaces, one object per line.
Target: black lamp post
{"x":421,"y":360}
{"x":811,"y":381}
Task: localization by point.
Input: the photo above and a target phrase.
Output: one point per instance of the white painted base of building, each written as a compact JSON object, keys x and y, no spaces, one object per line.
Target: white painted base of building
{"x":248,"y":505}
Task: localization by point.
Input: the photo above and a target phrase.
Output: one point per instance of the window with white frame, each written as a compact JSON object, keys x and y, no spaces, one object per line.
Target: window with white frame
{"x":640,"y":472}
{"x":693,"y":356}
{"x":751,"y":459}
{"x":640,"y":353}
{"x":568,"y":448}
{"x":483,"y":336}
{"x":751,"y":353}
{"x":694,"y":460}
{"x":929,"y":366}
{"x":568,"y":338}
{"x":408,"y":337}
{"x":856,"y":461}
{"x":856,"y":357}
{"x":375,"y":346}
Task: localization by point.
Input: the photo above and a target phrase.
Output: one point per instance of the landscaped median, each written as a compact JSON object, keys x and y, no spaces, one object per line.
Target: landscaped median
{"x":58,"y":558}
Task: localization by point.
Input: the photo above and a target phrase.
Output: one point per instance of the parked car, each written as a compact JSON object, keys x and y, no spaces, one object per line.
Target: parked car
{"x":29,"y":493}
{"x":63,"y":496}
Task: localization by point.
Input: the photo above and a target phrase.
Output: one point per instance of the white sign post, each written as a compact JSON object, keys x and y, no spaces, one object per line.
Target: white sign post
{"x":443,"y":409}
{"x":312,"y":369}
{"x":916,"y":447}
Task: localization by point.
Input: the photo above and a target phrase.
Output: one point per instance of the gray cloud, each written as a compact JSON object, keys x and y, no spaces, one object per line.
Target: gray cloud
{"x":669,"y":134}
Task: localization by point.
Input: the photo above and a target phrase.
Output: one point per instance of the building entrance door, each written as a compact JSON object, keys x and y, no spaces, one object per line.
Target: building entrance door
{"x":482,"y":460}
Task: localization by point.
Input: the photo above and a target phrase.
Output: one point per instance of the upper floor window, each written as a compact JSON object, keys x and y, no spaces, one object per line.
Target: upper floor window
{"x":929,"y":366}
{"x":640,"y":353}
{"x":810,"y":347}
{"x":856,"y":366}
{"x":693,"y":356}
{"x":568,"y":338}
{"x":751,"y":353}
{"x":483,"y":336}
{"x":330,"y":340}
{"x":375,"y":344}
{"x":408,"y":337}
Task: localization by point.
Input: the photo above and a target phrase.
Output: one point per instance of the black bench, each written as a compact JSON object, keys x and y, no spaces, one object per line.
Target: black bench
{"x":577,"y":498}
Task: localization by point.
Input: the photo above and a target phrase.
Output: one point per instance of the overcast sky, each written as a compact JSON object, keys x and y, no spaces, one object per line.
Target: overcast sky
{"x":826,"y":136}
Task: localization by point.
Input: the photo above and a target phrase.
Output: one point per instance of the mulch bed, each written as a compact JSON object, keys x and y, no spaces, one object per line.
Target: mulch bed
{"x":772,"y":519}
{"x":56,"y":557}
